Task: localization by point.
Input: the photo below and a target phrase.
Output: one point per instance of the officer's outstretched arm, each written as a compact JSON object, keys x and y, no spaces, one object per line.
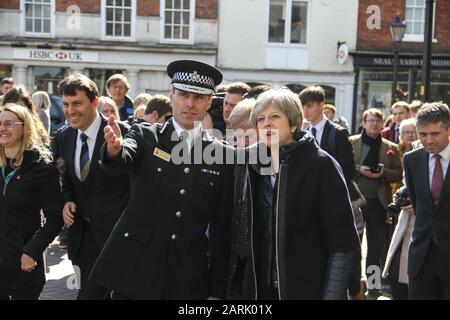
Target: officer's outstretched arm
{"x":113,"y":138}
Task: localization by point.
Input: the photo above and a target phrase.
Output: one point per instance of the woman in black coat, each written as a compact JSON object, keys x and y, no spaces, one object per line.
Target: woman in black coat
{"x":29,"y":185}
{"x":293,"y":233}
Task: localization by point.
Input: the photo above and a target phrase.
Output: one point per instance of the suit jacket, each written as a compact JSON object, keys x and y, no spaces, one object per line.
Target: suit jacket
{"x":430,"y":218}
{"x":159,"y":247}
{"x":392,"y":166}
{"x":100,"y":197}
{"x":343,"y":153}
{"x":389,"y":133}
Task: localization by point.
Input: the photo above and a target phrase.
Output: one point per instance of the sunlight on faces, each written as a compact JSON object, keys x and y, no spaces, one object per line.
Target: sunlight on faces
{"x":433,"y":136}
{"x":117,"y":91}
{"x":107,"y":110}
{"x":409,"y":134}
{"x":399,"y":114}
{"x":273,"y":127}
{"x":373,"y":125}
{"x":313,"y":111}
{"x":12,"y":136}
{"x":229,"y":103}
{"x":188,"y":108}
{"x":79,"y":110}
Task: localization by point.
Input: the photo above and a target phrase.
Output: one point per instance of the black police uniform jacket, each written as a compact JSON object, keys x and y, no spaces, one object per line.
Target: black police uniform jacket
{"x":172,"y":241}
{"x":33,"y":187}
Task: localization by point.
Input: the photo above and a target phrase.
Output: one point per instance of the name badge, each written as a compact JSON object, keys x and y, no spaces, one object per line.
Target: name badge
{"x":161,"y":154}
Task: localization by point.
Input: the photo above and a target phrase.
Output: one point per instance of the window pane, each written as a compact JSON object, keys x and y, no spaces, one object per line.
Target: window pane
{"x":169,"y":4}
{"x":409,"y":14}
{"x":119,"y":15}
{"x":418,"y":28}
{"x":109,"y":29}
{"x":127,"y":3}
{"x":109,"y":2}
{"x":410,"y":2}
{"x":38,"y":25}
{"x":47,"y":26}
{"x":276,"y":21}
{"x":185,"y":18}
{"x":28,"y":10}
{"x":186,"y":33}
{"x":168,"y":17}
{"x":298,"y":22}
{"x":127,"y":15}
{"x":127,"y":30}
{"x":176,"y":32}
{"x":118,"y":3}
{"x":177,"y":17}
{"x":420,"y":3}
{"x":419,"y":14}
{"x":177,"y":4}
{"x":109,"y":14}
{"x":118,"y":29}
{"x":187,"y":4}
{"x":408,"y":28}
{"x":29,"y":25}
{"x":46,"y":1}
{"x":168,"y":32}
{"x":46,"y":11}
{"x":38,"y":11}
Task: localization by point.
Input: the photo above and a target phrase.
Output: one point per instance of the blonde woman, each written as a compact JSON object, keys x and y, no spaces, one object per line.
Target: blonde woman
{"x":30,"y":184}
{"x":108,"y":107}
{"x":41,"y":102}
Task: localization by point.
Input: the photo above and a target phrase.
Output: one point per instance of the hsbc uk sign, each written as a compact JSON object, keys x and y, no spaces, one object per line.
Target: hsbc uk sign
{"x":55,"y":55}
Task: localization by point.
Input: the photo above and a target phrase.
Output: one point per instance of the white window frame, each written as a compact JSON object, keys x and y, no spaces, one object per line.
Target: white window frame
{"x":162,"y":7}
{"x":417,"y":37}
{"x":132,"y":36}
{"x":26,"y":33}
{"x":287,"y":27}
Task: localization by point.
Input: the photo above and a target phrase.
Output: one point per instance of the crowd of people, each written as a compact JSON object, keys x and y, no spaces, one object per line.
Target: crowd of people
{"x":286,"y":222}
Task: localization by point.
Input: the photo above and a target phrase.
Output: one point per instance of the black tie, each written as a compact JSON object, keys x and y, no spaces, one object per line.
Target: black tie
{"x":314,"y":132}
{"x":84,"y":157}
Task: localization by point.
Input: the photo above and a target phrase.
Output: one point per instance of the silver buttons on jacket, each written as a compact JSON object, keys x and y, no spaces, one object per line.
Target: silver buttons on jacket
{"x":178,"y":214}
{"x":174,"y":237}
{"x":126,"y":234}
{"x":187,"y":170}
{"x":159,"y":170}
{"x":183,"y":192}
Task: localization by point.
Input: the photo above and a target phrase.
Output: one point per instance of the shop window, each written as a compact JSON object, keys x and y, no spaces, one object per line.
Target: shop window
{"x":177,"y":20}
{"x":100,"y":76}
{"x":118,"y":19}
{"x":288,"y":21}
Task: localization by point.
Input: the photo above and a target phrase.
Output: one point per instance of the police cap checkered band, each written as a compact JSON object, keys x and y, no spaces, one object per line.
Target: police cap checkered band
{"x":194,"y":76}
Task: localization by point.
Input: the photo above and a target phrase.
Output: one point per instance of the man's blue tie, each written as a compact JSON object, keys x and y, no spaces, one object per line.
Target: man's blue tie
{"x":84,"y":157}
{"x":314,"y":132}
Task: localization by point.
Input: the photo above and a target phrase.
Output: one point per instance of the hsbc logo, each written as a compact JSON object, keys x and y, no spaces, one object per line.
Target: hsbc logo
{"x":61,"y":55}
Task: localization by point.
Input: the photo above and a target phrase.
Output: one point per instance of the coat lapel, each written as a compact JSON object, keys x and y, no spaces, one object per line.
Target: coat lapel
{"x":71,"y":146}
{"x":424,"y":173}
{"x":324,"y":141}
{"x":445,"y":190}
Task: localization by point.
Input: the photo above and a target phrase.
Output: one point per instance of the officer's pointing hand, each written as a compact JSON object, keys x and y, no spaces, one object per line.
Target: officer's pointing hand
{"x":113,"y":138}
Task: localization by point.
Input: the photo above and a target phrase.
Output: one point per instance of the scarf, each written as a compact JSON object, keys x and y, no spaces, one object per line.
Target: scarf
{"x":372,"y":157}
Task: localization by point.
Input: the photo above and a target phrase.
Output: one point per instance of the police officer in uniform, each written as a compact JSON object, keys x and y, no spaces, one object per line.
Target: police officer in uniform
{"x":172,"y":241}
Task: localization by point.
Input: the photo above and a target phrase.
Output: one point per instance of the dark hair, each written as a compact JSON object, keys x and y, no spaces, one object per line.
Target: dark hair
{"x":238,"y":88}
{"x":17,"y":94}
{"x":254,"y":92}
{"x":434,"y":112}
{"x":9,"y":80}
{"x":373,"y":111}
{"x":78,"y":81}
{"x":160,"y":104}
{"x":314,"y":94}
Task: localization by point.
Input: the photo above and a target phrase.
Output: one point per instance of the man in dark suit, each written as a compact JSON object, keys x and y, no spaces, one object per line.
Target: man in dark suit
{"x":173,"y":239}
{"x":93,"y":199}
{"x":428,"y":182}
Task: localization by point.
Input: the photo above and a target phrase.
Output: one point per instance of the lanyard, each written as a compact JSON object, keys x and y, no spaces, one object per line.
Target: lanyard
{"x":8,"y":177}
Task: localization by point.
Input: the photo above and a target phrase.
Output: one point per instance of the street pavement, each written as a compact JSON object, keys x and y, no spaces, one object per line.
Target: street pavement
{"x":61,"y":277}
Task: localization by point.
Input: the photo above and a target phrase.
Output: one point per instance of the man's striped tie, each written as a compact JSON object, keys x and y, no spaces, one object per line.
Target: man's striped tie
{"x":84,"y":157}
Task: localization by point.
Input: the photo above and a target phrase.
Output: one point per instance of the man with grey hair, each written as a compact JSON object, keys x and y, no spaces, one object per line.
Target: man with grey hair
{"x":427,"y":180}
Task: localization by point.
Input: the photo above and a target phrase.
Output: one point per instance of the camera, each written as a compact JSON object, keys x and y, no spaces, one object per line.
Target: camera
{"x":375,"y":169}
{"x":402,"y":200}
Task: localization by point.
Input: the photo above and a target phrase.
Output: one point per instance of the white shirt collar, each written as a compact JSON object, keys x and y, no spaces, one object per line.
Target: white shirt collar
{"x":191,"y":132}
{"x":320,"y":125}
{"x":92,"y":131}
{"x":445,"y":154}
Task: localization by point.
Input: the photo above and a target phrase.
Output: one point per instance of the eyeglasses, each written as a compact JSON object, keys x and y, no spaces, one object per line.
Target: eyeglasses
{"x":10,"y":123}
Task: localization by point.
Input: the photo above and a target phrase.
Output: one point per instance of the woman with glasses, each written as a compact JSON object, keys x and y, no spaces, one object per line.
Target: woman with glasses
{"x":29,"y":186}
{"x":293,"y":233}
